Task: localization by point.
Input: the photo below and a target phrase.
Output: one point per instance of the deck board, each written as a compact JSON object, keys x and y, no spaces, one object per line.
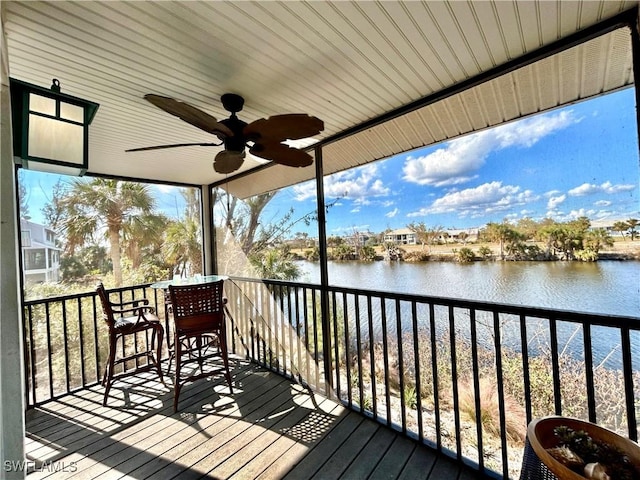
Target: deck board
{"x":269,"y":429}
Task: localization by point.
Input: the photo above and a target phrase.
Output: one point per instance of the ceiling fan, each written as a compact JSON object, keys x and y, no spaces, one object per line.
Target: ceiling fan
{"x":263,"y":137}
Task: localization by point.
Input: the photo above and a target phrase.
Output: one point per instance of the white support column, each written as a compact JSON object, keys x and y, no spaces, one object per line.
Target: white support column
{"x":12,"y":429}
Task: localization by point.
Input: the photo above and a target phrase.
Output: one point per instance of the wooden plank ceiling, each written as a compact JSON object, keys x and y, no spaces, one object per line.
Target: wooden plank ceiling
{"x":345,"y":62}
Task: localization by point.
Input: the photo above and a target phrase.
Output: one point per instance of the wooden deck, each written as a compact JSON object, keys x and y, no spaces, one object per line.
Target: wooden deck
{"x":268,"y":429}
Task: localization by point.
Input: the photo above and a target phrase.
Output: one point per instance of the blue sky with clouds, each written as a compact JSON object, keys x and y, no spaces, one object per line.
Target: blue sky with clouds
{"x":579,"y":160}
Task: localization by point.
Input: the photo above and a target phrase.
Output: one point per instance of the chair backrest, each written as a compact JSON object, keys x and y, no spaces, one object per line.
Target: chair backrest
{"x":198,"y":308}
{"x":107,"y":310}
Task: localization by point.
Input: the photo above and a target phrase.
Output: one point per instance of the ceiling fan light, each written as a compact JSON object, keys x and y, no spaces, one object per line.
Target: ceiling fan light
{"x":228,"y":161}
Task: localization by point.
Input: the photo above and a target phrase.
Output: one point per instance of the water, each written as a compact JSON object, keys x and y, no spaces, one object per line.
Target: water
{"x":605,"y":287}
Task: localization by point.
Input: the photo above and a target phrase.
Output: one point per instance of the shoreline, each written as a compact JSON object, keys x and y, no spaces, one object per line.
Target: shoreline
{"x":622,"y":250}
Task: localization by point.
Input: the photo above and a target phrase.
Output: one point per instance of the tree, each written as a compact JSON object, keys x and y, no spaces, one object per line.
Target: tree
{"x":594,"y":240}
{"x":89,"y":206}
{"x":143,"y":237}
{"x":621,"y":227}
{"x":276,"y":264}
{"x":183,"y":242}
{"x":424,"y":235}
{"x":183,"y":246}
{"x":633,"y":223}
{"x":23,"y":207}
{"x":499,"y":232}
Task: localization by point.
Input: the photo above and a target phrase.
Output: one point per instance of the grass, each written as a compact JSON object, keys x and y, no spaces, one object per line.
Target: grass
{"x":609,"y":385}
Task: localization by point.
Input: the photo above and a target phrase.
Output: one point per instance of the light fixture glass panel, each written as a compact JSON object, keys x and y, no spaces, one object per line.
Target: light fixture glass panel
{"x":72,"y":112}
{"x":57,"y":169}
{"x":40,"y":104}
{"x":55,"y":140}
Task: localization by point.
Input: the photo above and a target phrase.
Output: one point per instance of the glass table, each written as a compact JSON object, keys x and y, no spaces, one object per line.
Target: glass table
{"x":164,"y":284}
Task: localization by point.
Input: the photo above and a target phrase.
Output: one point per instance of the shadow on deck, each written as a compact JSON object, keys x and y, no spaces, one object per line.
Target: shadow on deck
{"x":270,"y":428}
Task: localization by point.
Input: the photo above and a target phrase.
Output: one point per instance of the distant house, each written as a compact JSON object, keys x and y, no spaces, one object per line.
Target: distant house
{"x":358,"y":239}
{"x":402,"y":236}
{"x":460,"y":235}
{"x":40,"y":256}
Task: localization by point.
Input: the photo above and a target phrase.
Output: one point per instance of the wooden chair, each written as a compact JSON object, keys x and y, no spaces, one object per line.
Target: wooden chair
{"x":199,"y":333}
{"x":125,"y":320}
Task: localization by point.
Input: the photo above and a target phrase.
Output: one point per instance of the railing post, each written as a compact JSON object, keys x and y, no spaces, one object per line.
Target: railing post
{"x":324,"y":273}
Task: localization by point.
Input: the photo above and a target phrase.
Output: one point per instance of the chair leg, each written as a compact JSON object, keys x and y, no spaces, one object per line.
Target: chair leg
{"x":158,"y":358}
{"x":108,"y":371}
{"x":199,"y":347}
{"x":176,"y":381}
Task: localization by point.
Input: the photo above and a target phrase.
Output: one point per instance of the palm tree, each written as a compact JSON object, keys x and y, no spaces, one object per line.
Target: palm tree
{"x":183,"y":245}
{"x":499,"y":232}
{"x":144,"y":234}
{"x":100,"y":203}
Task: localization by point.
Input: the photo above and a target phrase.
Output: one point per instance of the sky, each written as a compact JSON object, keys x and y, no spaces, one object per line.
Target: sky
{"x":581,"y":160}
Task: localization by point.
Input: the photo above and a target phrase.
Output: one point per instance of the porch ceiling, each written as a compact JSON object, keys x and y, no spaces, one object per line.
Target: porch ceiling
{"x":344,"y":62}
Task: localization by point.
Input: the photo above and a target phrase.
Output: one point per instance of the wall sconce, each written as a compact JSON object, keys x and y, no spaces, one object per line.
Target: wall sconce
{"x":50,"y":129}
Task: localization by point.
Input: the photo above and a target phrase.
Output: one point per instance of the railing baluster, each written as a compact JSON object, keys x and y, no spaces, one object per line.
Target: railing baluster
{"x":403,"y":400}
{"x":301,"y":358}
{"x":49,"y":349}
{"x":316,"y":352}
{"x":524,"y":343}
{"x":65,"y":342}
{"x":555,"y":364}
{"x":372,"y":359}
{"x":270,"y":317}
{"x":588,"y":370}
{"x":81,"y":340}
{"x":283,"y":329}
{"x":32,"y":354}
{"x":305,"y":327}
{"x":356,"y":301}
{"x":434,"y":373}
{"x":503,"y":422}
{"x":347,"y":352}
{"x":627,"y":369}
{"x":418,"y":373}
{"x":476,"y":386}
{"x":454,"y":380}
{"x":336,"y":350}
{"x":96,"y":344}
{"x":385,"y":356}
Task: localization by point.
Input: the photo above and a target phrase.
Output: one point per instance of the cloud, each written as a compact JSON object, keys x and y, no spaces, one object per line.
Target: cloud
{"x":304,"y":191}
{"x":606,"y":187}
{"x":484,"y":199}
{"x":553,"y":202}
{"x":458,"y":160}
{"x":392,"y":213}
{"x":357,"y":184}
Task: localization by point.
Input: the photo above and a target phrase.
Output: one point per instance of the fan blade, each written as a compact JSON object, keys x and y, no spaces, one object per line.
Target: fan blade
{"x":281,"y":153}
{"x":158,"y":147}
{"x":291,"y":126}
{"x":228,"y":161}
{"x":190,"y":114}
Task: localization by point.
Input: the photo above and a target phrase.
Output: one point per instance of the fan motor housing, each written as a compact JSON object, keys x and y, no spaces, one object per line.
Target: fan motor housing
{"x":231,"y":102}
{"x":237,"y":142}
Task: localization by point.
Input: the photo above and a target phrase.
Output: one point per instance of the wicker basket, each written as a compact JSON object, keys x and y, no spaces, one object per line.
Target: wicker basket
{"x":538,"y":464}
